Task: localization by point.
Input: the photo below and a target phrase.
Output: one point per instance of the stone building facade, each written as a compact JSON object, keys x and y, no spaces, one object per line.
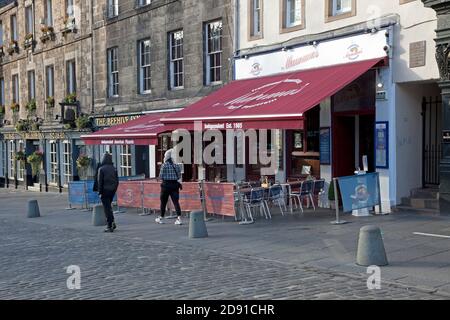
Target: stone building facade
{"x":121,"y":29}
{"x":46,"y":73}
{"x":102,"y":62}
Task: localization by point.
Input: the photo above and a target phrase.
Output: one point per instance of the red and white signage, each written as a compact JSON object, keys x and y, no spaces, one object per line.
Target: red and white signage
{"x":351,"y":49}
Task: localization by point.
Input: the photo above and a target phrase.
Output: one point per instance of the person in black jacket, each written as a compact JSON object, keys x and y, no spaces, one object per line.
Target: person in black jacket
{"x":108,"y":182}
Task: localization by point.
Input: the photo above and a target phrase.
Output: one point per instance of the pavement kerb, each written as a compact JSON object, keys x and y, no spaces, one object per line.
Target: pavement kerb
{"x":306,"y":267}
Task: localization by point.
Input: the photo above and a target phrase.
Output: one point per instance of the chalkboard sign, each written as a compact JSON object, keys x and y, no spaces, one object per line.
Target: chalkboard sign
{"x":325,"y":146}
{"x":382,"y":145}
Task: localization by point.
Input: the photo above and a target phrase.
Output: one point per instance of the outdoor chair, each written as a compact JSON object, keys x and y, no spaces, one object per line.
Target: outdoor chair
{"x":276,"y":196}
{"x":318,"y":188}
{"x":294,"y":193}
{"x":255,"y":200}
{"x":306,"y":191}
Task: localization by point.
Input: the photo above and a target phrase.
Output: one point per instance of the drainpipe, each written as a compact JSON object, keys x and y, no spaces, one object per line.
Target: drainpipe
{"x":92,"y":58}
{"x":236,"y":35}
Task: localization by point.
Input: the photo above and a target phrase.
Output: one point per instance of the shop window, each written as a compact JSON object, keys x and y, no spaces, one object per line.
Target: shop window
{"x":125,"y":161}
{"x":312,"y":126}
{"x":12,"y":154}
{"x":20,"y":164}
{"x":53,"y":163}
{"x":67,"y":161}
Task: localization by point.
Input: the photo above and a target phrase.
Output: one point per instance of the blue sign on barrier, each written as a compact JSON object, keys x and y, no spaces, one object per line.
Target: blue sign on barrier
{"x":92,"y":196}
{"x":77,"y":194}
{"x":360,"y":191}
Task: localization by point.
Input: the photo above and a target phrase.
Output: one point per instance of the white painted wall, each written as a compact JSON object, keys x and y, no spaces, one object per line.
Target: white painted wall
{"x":417,"y":23}
{"x":409,"y":135}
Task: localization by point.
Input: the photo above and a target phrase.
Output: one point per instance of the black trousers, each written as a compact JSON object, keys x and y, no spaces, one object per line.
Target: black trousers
{"x":107,"y":198}
{"x":170,"y":189}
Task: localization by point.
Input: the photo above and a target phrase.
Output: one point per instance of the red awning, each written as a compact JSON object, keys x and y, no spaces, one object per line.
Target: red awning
{"x":273,"y":102}
{"x":141,"y":131}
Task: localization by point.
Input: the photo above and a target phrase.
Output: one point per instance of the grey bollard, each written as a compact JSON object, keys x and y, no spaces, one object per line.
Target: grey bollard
{"x":98,"y":215}
{"x":33,"y":209}
{"x":370,"y":247}
{"x":197,"y":225}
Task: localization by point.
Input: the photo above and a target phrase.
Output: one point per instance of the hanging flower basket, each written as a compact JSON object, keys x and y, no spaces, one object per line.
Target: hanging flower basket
{"x":20,"y":156}
{"x":35,"y":159}
{"x":83,"y":163}
{"x":31,"y":106}
{"x":50,"y":102}
{"x":29,"y":40}
{"x":15,"y":107}
{"x":71,"y":98}
{"x":83,"y":122}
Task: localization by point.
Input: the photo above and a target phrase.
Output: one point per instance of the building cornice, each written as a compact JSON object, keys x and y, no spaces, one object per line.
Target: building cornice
{"x":8,"y":7}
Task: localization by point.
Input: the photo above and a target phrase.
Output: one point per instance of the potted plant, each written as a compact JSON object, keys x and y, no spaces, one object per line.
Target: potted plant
{"x":69,"y":24}
{"x":47,"y":33}
{"x":71,"y":98}
{"x":83,"y":122}
{"x":35,"y":159}
{"x":31,"y":106}
{"x":50,"y":101}
{"x":28,"y":40}
{"x":22,"y":125}
{"x":12,"y":47}
{"x":15,"y":107}
{"x":83,"y":163}
{"x":20,"y":156}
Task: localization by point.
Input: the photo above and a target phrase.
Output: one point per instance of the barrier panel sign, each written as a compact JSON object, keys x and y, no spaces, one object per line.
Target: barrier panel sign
{"x":77,"y":192}
{"x":360,"y":191}
{"x":151,"y":191}
{"x":129,"y":194}
{"x":219,"y":198}
{"x":190,"y":197}
{"x":92,"y":196}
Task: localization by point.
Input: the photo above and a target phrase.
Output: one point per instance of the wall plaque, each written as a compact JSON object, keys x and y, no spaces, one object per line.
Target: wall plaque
{"x":417,"y":54}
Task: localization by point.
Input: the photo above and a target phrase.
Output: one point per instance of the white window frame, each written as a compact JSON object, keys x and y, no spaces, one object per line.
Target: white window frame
{"x":29,"y":23}
{"x":49,"y":81}
{"x":339,"y":7}
{"x":177,"y":59}
{"x":67,"y":161}
{"x":12,"y":162}
{"x":113,"y":72}
{"x":49,"y":13}
{"x":14,"y":33}
{"x":298,"y":13}
{"x":20,"y":167}
{"x":125,"y":160}
{"x":214,"y":54}
{"x":3,"y":156}
{"x":31,"y":85}
{"x":113,"y":8}
{"x":71,"y":77}
{"x":143,"y":3}
{"x":145,"y":66}
{"x":53,"y":162}
{"x":256,"y":18}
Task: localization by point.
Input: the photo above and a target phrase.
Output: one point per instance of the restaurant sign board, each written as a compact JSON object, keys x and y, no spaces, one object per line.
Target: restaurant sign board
{"x":344,"y":50}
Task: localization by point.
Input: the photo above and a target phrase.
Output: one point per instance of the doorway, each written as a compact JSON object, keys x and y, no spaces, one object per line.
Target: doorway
{"x":353,"y":139}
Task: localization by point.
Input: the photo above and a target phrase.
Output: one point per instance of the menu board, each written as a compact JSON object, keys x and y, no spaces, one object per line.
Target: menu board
{"x":325,"y":146}
{"x":382,"y":145}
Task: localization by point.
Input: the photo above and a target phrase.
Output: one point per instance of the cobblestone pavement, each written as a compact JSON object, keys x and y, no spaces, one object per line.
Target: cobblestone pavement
{"x":34,"y":258}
